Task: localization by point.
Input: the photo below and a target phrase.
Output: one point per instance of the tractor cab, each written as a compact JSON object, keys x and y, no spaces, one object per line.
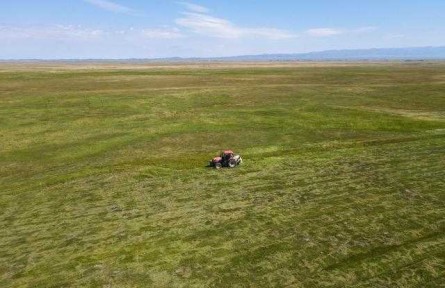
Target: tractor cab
{"x":227,"y":155}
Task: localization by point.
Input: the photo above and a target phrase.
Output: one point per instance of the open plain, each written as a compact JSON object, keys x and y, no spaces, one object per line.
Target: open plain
{"x":103,"y":177}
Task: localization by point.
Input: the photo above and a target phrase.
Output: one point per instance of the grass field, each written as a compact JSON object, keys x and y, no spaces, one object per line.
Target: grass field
{"x":104,"y":180}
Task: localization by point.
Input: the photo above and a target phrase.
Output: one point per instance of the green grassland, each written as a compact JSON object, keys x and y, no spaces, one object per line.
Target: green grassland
{"x":103,"y":177}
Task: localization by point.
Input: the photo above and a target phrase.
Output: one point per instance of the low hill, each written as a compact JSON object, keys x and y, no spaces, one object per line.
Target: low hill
{"x":418,"y":53}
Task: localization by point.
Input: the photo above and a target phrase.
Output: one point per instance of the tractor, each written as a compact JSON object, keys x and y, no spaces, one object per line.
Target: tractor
{"x":226,"y":159}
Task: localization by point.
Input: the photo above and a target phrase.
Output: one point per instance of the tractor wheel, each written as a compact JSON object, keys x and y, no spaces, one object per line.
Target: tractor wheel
{"x":232,"y":163}
{"x":218,"y":165}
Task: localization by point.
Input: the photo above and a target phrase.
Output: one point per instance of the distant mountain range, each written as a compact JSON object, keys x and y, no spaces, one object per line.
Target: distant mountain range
{"x":413,"y":53}
{"x":375,"y":54}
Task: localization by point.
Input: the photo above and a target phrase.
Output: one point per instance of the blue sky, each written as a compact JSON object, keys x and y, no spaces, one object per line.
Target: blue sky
{"x":53,"y":29}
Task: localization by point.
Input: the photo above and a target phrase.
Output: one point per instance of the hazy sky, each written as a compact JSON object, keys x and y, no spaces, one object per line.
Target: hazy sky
{"x":154,"y":28}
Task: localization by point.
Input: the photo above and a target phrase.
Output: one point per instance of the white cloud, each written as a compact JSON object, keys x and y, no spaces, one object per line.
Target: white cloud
{"x":271,"y":33}
{"x":162,"y":33}
{"x":79,"y":33}
{"x":209,"y":26}
{"x":113,"y":7}
{"x":200,"y":22}
{"x":327,"y":32}
{"x":324,"y":32}
{"x":194,"y":8}
{"x":58,"y":32}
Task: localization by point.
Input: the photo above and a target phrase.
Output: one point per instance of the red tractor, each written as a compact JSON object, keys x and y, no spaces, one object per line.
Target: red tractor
{"x":227,"y":159}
